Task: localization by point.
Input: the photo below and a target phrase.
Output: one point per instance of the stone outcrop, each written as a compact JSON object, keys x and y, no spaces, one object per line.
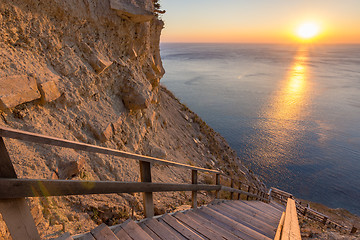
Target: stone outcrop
{"x":130,"y":9}
{"x":18,"y":89}
{"x":49,"y":91}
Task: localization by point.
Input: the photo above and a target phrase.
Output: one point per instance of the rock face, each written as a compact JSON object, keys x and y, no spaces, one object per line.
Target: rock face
{"x":131,"y":9}
{"x":96,"y":67}
{"x":17,"y":89}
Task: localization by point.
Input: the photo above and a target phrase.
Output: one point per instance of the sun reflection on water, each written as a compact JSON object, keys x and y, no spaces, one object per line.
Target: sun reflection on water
{"x":280,"y":121}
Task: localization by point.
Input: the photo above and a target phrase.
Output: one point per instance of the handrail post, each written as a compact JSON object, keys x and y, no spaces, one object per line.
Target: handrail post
{"x":15,"y":212}
{"x":145,"y":175}
{"x":194,"y":180}
{"x":217,"y":182}
{"x":239,"y":195}
{"x":232,"y":186}
{"x":247,"y":197}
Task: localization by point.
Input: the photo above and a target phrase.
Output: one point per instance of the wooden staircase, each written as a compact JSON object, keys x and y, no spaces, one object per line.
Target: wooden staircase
{"x":223,"y":219}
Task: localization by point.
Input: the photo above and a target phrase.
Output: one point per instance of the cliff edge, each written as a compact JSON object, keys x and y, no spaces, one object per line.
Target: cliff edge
{"x":90,"y":71}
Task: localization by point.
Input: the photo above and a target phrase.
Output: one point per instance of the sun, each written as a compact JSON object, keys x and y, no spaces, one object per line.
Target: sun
{"x":308,"y":30}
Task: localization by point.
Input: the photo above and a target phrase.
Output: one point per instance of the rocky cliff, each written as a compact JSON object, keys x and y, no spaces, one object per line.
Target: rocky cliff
{"x":89,"y":71}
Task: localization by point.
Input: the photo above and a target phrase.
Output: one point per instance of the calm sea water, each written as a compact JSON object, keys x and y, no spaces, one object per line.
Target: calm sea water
{"x":292,"y":113}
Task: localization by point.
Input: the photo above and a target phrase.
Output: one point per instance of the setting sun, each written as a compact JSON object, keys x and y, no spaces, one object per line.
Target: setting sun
{"x":308,"y":30}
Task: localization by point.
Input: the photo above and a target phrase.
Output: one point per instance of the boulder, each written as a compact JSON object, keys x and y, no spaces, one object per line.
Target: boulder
{"x":17,"y":89}
{"x":131,"y":10}
{"x":49,"y":91}
{"x":71,"y":169}
{"x":136,"y":95}
{"x":98,"y":62}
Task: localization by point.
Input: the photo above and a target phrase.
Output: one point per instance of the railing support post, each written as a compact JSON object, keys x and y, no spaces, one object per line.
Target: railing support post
{"x":145,"y":175}
{"x":239,"y":195}
{"x":15,"y":212}
{"x":232,"y":193}
{"x":248,"y":197}
{"x":194,"y":180}
{"x":217,"y":182}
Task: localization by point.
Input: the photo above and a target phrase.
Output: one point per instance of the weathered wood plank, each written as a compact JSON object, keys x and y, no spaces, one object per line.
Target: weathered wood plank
{"x":190,"y":223}
{"x":39,"y":138}
{"x":160,"y":229}
{"x":209,"y":225}
{"x":179,"y":235}
{"x":228,"y":189}
{"x":189,"y":234}
{"x":85,"y":236}
{"x":291,"y":229}
{"x":246,"y":220}
{"x":103,"y":232}
{"x":65,"y":236}
{"x":15,"y":188}
{"x":134,"y":230}
{"x":280,"y":227}
{"x":15,"y":212}
{"x":253,"y":212}
{"x":148,"y":231}
{"x":121,"y":234}
{"x":229,"y":224}
{"x":241,"y":226}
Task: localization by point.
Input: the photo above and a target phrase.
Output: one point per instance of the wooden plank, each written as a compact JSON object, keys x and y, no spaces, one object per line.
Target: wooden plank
{"x":160,"y":229}
{"x":15,"y":212}
{"x":235,"y":228}
{"x":121,"y":234}
{"x":179,"y":235}
{"x":239,"y":194}
{"x":194,"y":180}
{"x":280,"y":227}
{"x":148,"y":231}
{"x":181,"y":228}
{"x":148,"y":202}
{"x":65,"y":236}
{"x":209,"y":225}
{"x":190,"y":223}
{"x":258,"y":208}
{"x":134,"y":230}
{"x":86,"y":236}
{"x":246,"y":220}
{"x":16,"y":188}
{"x":254,"y":212}
{"x":42,"y":139}
{"x":291,"y":229}
{"x":103,"y":232}
{"x":232,"y":186}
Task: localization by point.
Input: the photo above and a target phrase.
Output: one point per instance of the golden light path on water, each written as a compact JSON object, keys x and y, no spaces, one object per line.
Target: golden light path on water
{"x":279,"y":124}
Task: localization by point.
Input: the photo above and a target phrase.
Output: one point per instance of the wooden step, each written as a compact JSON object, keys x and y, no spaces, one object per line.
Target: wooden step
{"x":65,"y":236}
{"x":181,"y":228}
{"x":121,"y":234}
{"x":103,"y":232}
{"x":208,"y":224}
{"x":179,"y":235}
{"x":270,"y":210}
{"x":191,"y":223}
{"x":244,"y":219}
{"x":134,"y":230}
{"x":160,"y":229}
{"x":148,"y":231}
{"x":236,"y":228}
{"x":253,"y":212}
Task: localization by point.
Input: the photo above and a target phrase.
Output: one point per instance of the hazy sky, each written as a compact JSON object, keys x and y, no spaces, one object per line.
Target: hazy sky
{"x":266,"y":21}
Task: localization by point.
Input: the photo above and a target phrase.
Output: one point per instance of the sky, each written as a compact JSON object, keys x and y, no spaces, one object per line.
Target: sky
{"x":259,"y":21}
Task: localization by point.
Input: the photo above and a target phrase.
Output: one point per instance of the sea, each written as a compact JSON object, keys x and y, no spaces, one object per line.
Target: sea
{"x":291,"y":112}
